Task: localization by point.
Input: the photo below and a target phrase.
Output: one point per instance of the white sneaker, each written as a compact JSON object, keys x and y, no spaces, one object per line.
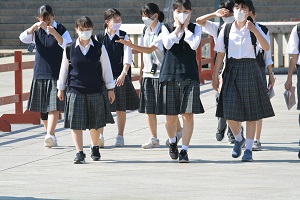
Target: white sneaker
{"x":101,"y":142}
{"x":119,"y":141}
{"x":153,"y":143}
{"x":50,"y":141}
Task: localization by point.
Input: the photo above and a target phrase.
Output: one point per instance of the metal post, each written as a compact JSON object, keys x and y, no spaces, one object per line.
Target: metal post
{"x":19,"y":82}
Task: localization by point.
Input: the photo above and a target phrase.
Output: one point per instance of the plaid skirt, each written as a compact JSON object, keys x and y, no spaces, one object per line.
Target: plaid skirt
{"x":126,"y":97}
{"x":179,"y":97}
{"x":43,"y":96}
{"x":149,"y":96}
{"x":243,"y":95}
{"x":86,"y":111}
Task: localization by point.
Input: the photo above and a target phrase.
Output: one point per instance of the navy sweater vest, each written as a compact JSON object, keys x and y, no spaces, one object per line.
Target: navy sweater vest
{"x":48,"y":54}
{"x":115,"y":52}
{"x":180,"y":62}
{"x":85,"y":75}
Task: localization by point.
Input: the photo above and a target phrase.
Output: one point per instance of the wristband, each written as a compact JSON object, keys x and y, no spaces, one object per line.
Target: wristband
{"x":271,"y":73}
{"x":110,"y":89}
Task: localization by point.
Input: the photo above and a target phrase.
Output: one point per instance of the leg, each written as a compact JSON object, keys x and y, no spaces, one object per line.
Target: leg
{"x":44,"y":117}
{"x":250,"y":133}
{"x":188,"y":127}
{"x":171,"y":127}
{"x":101,"y":138}
{"x":95,"y":154}
{"x":257,"y":144}
{"x":121,"y":120}
{"x":77,"y":139}
{"x":50,"y":139}
{"x":78,"y":142}
{"x":236,"y":128}
{"x":52,"y":122}
{"x":178,"y":132}
{"x":152,"y":124}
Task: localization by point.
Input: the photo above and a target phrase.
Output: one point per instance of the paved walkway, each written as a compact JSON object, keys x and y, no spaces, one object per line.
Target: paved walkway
{"x":30,"y":171}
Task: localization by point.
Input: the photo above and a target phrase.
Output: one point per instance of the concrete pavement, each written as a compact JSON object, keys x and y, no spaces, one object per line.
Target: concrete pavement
{"x":30,"y":171}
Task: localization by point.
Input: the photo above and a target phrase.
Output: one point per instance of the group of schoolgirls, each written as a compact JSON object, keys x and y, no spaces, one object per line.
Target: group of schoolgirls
{"x":87,"y":78}
{"x":84,"y":75}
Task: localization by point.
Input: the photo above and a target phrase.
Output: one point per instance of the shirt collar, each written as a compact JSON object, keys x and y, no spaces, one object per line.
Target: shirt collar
{"x":156,"y":29}
{"x":54,"y":24}
{"x":78,"y":43}
{"x":116,"y":33}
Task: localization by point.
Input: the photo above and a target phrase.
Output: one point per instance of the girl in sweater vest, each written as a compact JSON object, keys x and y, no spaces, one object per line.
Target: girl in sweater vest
{"x":49,"y":38}
{"x":86,"y":106}
{"x":120,"y":58}
{"x":179,"y":78}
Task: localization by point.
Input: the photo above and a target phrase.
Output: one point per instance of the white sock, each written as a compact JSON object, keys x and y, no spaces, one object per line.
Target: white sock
{"x":238,"y":137}
{"x":185,"y":147}
{"x":172,"y":140}
{"x":249,"y":143}
{"x":101,"y":135}
{"x":258,"y":140}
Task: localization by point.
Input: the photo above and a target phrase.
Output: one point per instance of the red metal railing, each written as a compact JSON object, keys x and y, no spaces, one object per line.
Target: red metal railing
{"x":27,"y":117}
{"x":206,"y":73}
{"x":19,"y":117}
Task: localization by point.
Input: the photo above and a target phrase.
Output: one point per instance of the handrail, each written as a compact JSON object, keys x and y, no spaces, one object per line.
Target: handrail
{"x":19,"y":117}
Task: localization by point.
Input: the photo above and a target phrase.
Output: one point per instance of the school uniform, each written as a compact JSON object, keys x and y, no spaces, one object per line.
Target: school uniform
{"x":179,"y":77}
{"x":150,"y":82}
{"x":43,"y":92}
{"x":243,"y":96}
{"x":293,"y":48}
{"x":212,"y":28}
{"x":119,"y":54}
{"x":86,"y":106}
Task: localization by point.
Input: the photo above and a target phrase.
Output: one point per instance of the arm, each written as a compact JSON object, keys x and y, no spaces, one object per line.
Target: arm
{"x":107,"y":74}
{"x":193,"y":39}
{"x":127,"y":59}
{"x":293,"y":61}
{"x":219,"y":13}
{"x":219,"y":61}
{"x":168,"y":39}
{"x":27,"y":37}
{"x":55,"y":34}
{"x":261,"y":37}
{"x":63,"y":75}
{"x":138,"y":48}
{"x":66,"y":39}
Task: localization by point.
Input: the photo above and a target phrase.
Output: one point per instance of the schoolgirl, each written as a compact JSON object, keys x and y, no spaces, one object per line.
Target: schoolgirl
{"x":242,"y":97}
{"x":49,"y":38}
{"x":225,"y":12}
{"x":86,"y":106}
{"x":179,"y":80}
{"x":120,"y":57}
{"x":151,"y":44}
{"x":294,"y":50}
{"x":267,"y":63}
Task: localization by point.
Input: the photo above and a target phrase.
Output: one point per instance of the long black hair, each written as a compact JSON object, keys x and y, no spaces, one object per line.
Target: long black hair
{"x":45,"y":11}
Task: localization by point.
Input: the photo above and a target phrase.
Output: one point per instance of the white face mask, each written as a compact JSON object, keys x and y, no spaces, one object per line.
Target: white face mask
{"x":85,"y":35}
{"x":228,"y":20}
{"x":239,"y":15}
{"x":181,"y":17}
{"x":147,"y":21}
{"x":116,"y":26}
